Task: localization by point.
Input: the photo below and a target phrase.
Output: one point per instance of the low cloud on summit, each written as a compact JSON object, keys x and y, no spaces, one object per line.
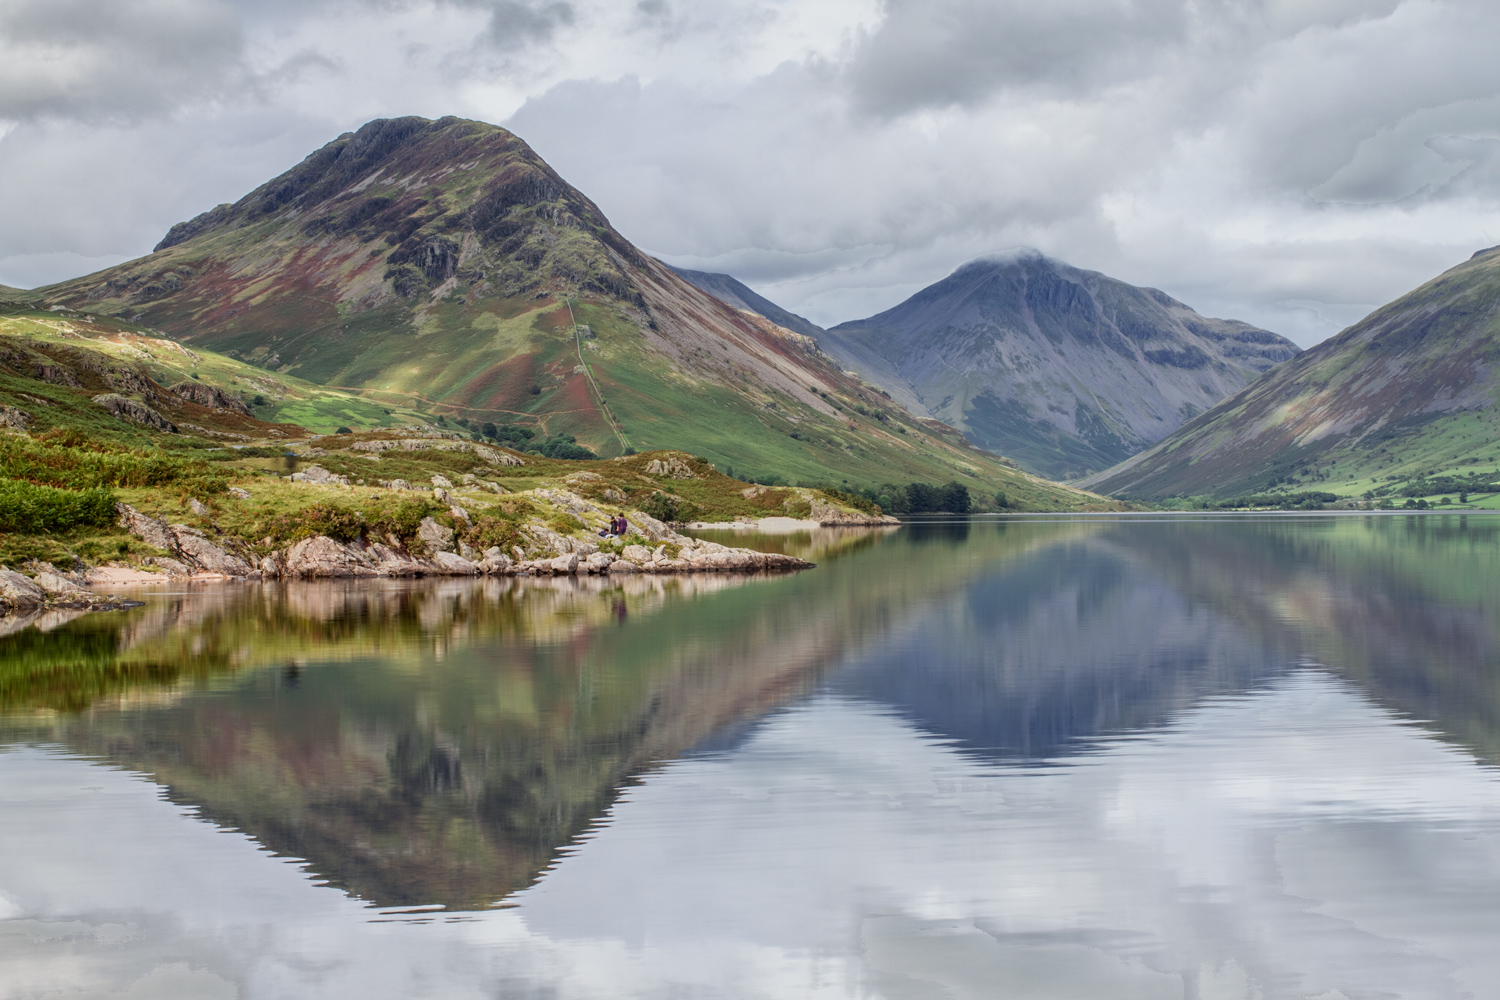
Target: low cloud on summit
{"x":1293,"y":163}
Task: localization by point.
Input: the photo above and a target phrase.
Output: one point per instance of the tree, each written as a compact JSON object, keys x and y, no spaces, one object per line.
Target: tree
{"x":489,"y":429}
{"x":954,"y":498}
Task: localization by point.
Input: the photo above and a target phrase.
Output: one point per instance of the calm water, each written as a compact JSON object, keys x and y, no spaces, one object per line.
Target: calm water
{"x":1094,"y":758}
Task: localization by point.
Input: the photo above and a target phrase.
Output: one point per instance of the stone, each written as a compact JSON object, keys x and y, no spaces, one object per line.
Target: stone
{"x":564,"y":565}
{"x":200,"y":553}
{"x":437,"y":537}
{"x":672,"y":466}
{"x":209,"y":395}
{"x":14,"y":417}
{"x":399,"y":484}
{"x":318,"y":474}
{"x":752,"y":492}
{"x":147,"y":529}
{"x":637,"y":554}
{"x":599,"y":562}
{"x":495,"y":560}
{"x":172,"y":567}
{"x":17,"y":591}
{"x":199,"y":507}
{"x":442,"y":482}
{"x":620,"y":566}
{"x":459,"y":513}
{"x":468,"y":551}
{"x":320,"y":557}
{"x":441,"y":495}
{"x":52,"y":583}
{"x":128,"y":409}
{"x":238,"y":493}
{"x":454,"y":564}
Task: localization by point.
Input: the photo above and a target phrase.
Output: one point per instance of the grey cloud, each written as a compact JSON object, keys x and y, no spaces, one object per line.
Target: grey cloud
{"x":514,"y":25}
{"x":101,"y":59}
{"x":938,"y":53}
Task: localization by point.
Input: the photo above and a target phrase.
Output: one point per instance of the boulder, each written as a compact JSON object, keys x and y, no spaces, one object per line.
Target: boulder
{"x":598,"y":562}
{"x":671,"y":466}
{"x":437,"y":537}
{"x":320,"y":557}
{"x":318,"y":474}
{"x":637,"y":554}
{"x":620,"y":566}
{"x":199,"y":507}
{"x":454,"y":564}
{"x":238,"y":493}
{"x":18,"y":592}
{"x":442,"y":482}
{"x":495,"y":561}
{"x":52,"y":583}
{"x":200,"y":553}
{"x":564,"y":565}
{"x":172,"y":567}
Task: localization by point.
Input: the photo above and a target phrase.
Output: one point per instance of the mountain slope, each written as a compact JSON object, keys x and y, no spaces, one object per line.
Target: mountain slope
{"x":1064,"y":370}
{"x":443,"y":266}
{"x":1407,"y":392}
{"x":731,"y":291}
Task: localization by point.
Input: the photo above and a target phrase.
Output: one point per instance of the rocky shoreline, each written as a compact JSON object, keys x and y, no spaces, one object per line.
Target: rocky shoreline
{"x":652,"y":547}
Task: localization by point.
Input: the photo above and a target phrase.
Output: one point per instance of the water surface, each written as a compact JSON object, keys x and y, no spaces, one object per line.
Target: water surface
{"x":1065,"y":757}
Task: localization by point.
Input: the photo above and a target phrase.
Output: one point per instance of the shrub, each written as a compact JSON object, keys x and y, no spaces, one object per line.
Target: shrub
{"x":29,"y":509}
{"x":343,"y":430}
{"x":488,"y":531}
{"x":68,"y":459}
{"x":659,"y":505}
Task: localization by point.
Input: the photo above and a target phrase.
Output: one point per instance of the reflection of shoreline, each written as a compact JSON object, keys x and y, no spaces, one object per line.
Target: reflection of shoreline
{"x":803,"y":539}
{"x":440,"y":741}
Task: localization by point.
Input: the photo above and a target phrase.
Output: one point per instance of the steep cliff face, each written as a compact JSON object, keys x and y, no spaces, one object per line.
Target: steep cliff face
{"x":1066,"y":371}
{"x":1408,"y":391}
{"x":443,"y":267}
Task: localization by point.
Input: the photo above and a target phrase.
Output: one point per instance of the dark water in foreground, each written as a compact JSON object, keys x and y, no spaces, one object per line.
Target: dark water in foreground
{"x":1094,"y":758}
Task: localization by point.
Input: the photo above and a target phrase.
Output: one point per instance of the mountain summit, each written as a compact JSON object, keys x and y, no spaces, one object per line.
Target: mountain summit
{"x":1065,"y":370}
{"x":443,"y":267}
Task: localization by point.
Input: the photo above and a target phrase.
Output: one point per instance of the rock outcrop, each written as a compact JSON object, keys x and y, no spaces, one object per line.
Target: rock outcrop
{"x":128,"y":409}
{"x":186,"y":544}
{"x":209,"y":395}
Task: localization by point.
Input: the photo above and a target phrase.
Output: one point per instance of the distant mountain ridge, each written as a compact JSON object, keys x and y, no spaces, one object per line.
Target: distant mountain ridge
{"x":1407,"y":392}
{"x":731,"y":291}
{"x":1065,"y":370}
{"x":441,"y":266}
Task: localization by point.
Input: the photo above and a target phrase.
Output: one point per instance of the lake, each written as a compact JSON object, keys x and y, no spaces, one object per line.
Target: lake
{"x":1054,"y":757}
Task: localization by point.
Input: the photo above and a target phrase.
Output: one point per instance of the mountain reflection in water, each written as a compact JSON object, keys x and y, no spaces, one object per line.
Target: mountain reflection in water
{"x":1069,"y":757}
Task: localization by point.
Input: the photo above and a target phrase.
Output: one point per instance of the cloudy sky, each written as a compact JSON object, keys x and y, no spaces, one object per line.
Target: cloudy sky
{"x":1294,"y":163}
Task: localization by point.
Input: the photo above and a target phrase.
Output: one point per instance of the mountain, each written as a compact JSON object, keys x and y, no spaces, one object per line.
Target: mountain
{"x":443,"y":266}
{"x":1066,"y":371}
{"x":733,"y":292}
{"x":1406,"y":393}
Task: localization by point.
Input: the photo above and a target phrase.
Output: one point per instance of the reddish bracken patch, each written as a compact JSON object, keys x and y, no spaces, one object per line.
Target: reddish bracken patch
{"x":503,"y":386}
